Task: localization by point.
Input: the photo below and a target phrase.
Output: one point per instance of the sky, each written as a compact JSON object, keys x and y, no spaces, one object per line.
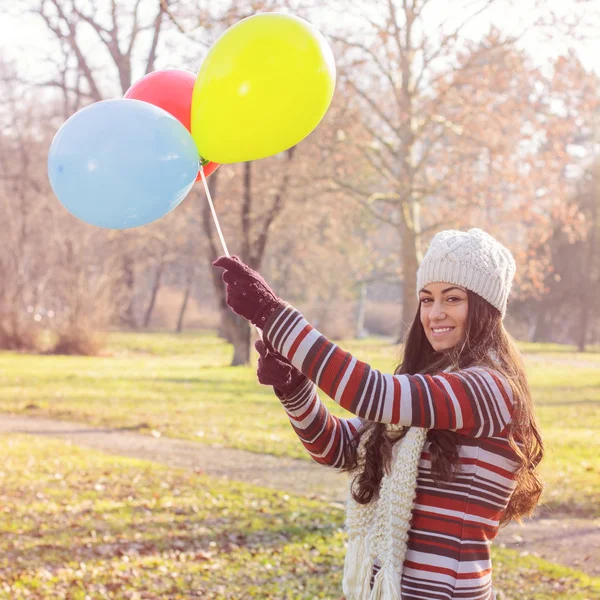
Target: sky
{"x":25,"y":40}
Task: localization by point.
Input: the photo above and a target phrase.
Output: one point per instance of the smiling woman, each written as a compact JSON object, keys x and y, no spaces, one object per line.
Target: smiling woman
{"x":444,"y":312}
{"x":440,"y":453}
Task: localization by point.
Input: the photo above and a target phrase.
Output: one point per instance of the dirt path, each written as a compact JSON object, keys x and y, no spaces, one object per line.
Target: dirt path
{"x":569,"y":541}
{"x":287,"y":474}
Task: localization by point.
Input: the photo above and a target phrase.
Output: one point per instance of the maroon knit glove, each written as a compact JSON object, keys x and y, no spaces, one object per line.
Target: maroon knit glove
{"x":248,"y":294}
{"x":274,"y":369}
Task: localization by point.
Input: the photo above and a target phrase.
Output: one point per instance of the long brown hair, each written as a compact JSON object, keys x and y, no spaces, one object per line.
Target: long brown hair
{"x":487,"y":344}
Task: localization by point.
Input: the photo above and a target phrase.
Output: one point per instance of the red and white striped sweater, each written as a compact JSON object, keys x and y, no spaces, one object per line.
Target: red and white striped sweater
{"x":453,"y":524}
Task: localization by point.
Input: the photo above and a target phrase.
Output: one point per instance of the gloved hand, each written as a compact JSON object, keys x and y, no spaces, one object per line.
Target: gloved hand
{"x":248,"y":294}
{"x":274,"y":369}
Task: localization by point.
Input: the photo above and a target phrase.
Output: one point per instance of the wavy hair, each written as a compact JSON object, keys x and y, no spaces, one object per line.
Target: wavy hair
{"x":486,"y":344}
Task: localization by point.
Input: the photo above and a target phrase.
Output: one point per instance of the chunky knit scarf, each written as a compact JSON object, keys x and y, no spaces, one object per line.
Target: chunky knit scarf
{"x":378,"y":531}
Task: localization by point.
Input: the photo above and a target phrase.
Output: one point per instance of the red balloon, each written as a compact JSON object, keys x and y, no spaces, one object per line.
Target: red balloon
{"x":171,"y":90}
{"x":211,"y":167}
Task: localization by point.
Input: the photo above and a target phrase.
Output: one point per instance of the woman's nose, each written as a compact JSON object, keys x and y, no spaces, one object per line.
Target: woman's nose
{"x":437,"y":312}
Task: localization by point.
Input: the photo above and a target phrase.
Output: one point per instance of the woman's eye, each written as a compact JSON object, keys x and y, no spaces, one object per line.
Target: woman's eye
{"x":454,"y":299}
{"x":425,"y":300}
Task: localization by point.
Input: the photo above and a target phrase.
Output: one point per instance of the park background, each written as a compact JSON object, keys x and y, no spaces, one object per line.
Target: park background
{"x":447,"y":114}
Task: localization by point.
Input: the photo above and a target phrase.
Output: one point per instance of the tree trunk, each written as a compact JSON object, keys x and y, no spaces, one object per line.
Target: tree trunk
{"x":215,"y":251}
{"x":582,"y":327}
{"x":410,"y":265}
{"x":224,"y":329}
{"x":254,"y":235}
{"x":361,"y":310}
{"x":155,"y":288}
{"x":587,"y":287}
{"x":232,"y":328}
{"x":541,"y":326}
{"x":186,"y":297}
{"x":128,"y":314}
{"x":237,"y":329}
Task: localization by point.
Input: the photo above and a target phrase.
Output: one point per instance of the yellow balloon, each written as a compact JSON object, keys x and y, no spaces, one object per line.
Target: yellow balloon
{"x":263,"y":87}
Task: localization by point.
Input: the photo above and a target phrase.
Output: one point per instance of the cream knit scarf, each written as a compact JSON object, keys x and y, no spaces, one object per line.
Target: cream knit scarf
{"x":379,"y":530}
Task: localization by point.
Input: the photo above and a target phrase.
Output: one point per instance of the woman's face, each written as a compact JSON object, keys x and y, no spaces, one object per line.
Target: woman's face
{"x":444,"y":310}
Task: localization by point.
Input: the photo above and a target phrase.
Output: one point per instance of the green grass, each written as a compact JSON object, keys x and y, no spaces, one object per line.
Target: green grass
{"x":592,"y":353}
{"x":80,"y":524}
{"x":181,"y":386}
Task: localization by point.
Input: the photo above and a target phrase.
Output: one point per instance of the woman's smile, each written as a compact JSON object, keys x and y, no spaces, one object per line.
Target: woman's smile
{"x":441,"y":331}
{"x":444,"y":311}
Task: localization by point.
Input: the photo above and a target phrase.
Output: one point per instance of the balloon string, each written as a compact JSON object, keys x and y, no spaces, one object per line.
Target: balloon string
{"x":214,"y":214}
{"x":216,"y":220}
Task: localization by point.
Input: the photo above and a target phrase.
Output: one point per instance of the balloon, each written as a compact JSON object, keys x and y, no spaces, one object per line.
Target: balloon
{"x":122,"y":163}
{"x":171,"y":90}
{"x":264,"y":86}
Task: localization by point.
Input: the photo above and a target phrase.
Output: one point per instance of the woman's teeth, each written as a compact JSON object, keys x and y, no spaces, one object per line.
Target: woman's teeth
{"x":441,"y":329}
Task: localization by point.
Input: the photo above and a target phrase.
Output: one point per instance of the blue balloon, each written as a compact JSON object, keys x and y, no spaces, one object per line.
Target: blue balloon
{"x":122,"y":163}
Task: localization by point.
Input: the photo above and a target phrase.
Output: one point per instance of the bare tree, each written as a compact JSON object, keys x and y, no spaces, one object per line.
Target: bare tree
{"x":257,"y":213}
{"x":52,"y":280}
{"x":589,"y":287}
{"x":408,"y":81}
{"x":120,"y":32}
{"x":564,"y":311}
{"x":124,"y":35}
{"x":24,"y":272}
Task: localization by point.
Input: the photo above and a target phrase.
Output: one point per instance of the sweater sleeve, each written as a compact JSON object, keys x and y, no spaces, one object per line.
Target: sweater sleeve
{"x":476,"y":402}
{"x":325,"y":436}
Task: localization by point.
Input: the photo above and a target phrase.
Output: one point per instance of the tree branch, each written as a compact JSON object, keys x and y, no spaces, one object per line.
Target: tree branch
{"x":453,"y":35}
{"x":163,"y":7}
{"x":70,"y":38}
{"x":374,"y":106}
{"x":260,"y":245}
{"x":386,"y":72}
{"x":246,"y":209}
{"x":135,"y":29}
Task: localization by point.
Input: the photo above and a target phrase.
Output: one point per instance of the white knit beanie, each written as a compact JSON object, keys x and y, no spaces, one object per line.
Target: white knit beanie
{"x":474,"y":260}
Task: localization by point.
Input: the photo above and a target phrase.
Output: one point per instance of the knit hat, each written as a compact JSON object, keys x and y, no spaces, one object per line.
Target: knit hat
{"x":473,"y":260}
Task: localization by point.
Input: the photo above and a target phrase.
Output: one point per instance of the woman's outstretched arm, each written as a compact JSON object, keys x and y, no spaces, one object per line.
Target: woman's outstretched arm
{"x":475,"y":401}
{"x":327,"y":438}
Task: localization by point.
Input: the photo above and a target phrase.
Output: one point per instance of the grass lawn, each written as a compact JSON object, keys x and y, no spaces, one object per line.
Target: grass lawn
{"x":80,"y":524}
{"x":181,"y":386}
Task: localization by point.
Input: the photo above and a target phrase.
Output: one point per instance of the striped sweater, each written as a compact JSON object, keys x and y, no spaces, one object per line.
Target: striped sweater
{"x":454,"y":523}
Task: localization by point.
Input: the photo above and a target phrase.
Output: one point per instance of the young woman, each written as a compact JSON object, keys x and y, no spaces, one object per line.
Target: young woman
{"x":441,"y":453}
